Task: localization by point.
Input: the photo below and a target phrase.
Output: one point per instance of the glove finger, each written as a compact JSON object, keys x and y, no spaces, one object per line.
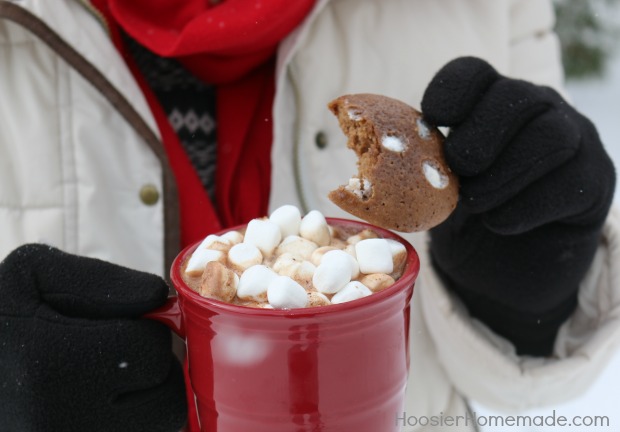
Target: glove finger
{"x":508,"y":106}
{"x":542,"y":145}
{"x":75,"y":285}
{"x":456,"y":89}
{"x":578,"y":192}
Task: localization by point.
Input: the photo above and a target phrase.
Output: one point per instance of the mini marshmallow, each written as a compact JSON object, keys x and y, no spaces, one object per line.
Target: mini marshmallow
{"x":284,"y":293}
{"x":377,"y":281}
{"x":200,"y":258}
{"x":263,"y":234}
{"x":354,"y":266}
{"x":234,"y":237}
{"x":351,"y":291}
{"x":362,"y":235}
{"x":244,"y":255}
{"x":219,"y":282}
{"x":297,"y":246}
{"x":399,"y":257}
{"x":254,"y":281}
{"x":284,"y":261}
{"x":333,"y":273}
{"x":288,"y":218}
{"x":318,"y":253}
{"x":350,"y":249}
{"x":215,"y":242}
{"x":314,"y":228}
{"x":374,"y":256}
{"x":317,"y":299}
{"x":301,"y":272}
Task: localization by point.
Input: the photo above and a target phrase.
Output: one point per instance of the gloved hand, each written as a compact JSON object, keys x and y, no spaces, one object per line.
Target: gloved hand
{"x":74,"y":353}
{"x":536,"y":186}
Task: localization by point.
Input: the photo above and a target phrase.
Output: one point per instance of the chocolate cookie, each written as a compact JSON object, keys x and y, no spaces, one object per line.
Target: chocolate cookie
{"x":403,"y":181}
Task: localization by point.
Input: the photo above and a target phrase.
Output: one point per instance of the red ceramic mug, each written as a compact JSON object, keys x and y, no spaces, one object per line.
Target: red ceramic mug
{"x":336,"y":368}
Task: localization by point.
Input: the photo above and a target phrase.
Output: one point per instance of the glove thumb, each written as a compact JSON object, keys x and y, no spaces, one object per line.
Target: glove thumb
{"x":454,"y":91}
{"x":75,"y":286}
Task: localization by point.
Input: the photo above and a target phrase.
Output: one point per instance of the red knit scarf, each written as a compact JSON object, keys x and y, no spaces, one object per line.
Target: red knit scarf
{"x":232,"y":45}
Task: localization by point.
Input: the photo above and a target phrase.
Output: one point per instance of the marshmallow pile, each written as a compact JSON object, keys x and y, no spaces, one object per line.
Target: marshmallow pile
{"x":287,"y":261}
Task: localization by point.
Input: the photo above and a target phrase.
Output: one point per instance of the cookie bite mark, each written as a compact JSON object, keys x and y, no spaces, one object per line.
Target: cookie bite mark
{"x":403,"y":181}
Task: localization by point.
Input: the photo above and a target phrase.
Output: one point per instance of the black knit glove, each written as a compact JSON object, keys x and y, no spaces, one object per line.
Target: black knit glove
{"x":74,"y":354}
{"x":536,"y":186}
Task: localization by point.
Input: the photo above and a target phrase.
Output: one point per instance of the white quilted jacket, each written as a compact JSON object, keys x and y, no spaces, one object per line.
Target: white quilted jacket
{"x":78,"y":144}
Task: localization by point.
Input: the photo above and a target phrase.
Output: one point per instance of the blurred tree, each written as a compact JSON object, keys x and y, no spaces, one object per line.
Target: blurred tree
{"x":588,"y":32}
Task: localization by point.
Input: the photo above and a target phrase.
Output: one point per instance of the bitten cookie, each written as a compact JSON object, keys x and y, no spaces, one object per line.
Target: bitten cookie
{"x":403,"y":181}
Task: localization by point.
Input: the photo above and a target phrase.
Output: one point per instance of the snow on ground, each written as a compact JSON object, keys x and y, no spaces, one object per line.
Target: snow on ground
{"x":599,"y":100}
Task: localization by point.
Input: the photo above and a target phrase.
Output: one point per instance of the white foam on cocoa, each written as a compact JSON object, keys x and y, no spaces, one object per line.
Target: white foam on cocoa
{"x":434,"y":176}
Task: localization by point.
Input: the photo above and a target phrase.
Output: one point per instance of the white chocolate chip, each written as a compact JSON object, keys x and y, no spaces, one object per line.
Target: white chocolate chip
{"x":434,"y":177}
{"x":354,"y":114}
{"x":393,"y":143}
{"x":424,"y":131}
{"x":361,"y":188}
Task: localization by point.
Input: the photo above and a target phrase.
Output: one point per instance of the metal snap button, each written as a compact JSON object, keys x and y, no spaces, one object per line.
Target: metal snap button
{"x":320,"y":139}
{"x":149,"y":194}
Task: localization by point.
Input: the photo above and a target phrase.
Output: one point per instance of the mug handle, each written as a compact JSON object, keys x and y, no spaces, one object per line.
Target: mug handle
{"x":170,"y":315}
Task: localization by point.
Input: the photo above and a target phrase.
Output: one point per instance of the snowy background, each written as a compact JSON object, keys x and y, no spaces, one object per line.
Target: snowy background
{"x":598,"y":99}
